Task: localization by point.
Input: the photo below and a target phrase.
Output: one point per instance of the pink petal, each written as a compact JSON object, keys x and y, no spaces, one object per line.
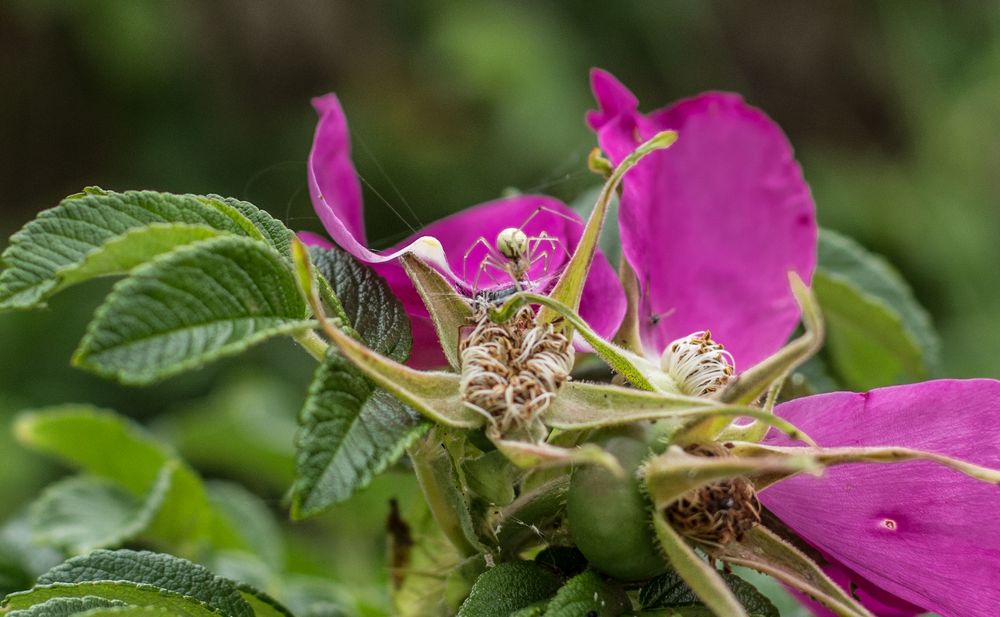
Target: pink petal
{"x":333,"y":182}
{"x":336,"y":192}
{"x":917,"y":530}
{"x":713,"y":225}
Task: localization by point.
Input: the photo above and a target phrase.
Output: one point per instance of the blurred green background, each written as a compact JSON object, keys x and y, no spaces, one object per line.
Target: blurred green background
{"x":893,"y":107}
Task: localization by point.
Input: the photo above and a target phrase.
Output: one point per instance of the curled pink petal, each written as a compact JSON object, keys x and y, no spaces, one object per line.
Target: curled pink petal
{"x":917,"y":530}
{"x":336,"y":192}
{"x":713,"y":225}
{"x":333,"y":181}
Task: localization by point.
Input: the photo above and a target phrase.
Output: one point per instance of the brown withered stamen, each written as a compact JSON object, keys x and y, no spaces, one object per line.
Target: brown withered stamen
{"x":511,"y":371}
{"x":717,"y":513}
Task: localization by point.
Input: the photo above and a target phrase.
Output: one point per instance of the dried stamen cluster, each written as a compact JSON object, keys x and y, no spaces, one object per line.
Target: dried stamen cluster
{"x":716,"y":513}
{"x":511,"y":370}
{"x":699,"y":365}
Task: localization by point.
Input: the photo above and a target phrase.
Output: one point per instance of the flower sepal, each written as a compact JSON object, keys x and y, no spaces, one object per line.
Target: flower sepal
{"x":763,"y":550}
{"x":449,"y":311}
{"x":636,"y":369}
{"x":527,"y":454}
{"x":583,"y":406}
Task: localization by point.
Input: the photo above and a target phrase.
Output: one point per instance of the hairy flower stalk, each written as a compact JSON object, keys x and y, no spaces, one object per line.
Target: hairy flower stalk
{"x":717,"y":513}
{"x":512,"y":370}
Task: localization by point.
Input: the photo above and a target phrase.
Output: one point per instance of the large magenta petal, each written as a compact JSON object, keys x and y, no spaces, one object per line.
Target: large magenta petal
{"x":919,"y":531}
{"x":713,"y":225}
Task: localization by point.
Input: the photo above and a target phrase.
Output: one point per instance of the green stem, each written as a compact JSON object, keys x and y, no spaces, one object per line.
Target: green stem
{"x":312,"y":343}
{"x":434,"y":474}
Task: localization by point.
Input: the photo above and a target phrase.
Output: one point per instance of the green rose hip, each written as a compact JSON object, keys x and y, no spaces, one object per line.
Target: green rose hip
{"x":609,"y":516}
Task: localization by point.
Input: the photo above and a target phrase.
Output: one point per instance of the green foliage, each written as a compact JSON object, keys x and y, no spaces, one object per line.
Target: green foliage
{"x":133,"y":579}
{"x":877,"y":333}
{"x":64,"y":607}
{"x":366,"y":302}
{"x":670,"y":591}
{"x":96,"y":233}
{"x":191,"y":306}
{"x":508,"y":587}
{"x":588,"y":594}
{"x":135,"y":487}
{"x":81,"y":513}
{"x":245,"y":429}
{"x":352,"y":430}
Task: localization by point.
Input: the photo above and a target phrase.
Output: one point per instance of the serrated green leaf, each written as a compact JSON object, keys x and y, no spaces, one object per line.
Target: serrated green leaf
{"x":877,"y":333}
{"x":588,"y":594}
{"x":188,"y":307}
{"x":670,"y":591}
{"x":82,"y":513}
{"x":132,"y":594}
{"x":130,"y":249}
{"x":132,"y":611}
{"x":62,"y":237}
{"x":64,"y":607}
{"x":508,"y":587}
{"x":164,"y":573}
{"x":367,"y":302}
{"x":270,"y":228}
{"x":351,"y":431}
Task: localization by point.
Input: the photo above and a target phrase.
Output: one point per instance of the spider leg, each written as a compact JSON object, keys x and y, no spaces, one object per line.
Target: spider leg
{"x":541,"y":209}
{"x":465,"y":258}
{"x":490,"y":261}
{"x":554,"y":242}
